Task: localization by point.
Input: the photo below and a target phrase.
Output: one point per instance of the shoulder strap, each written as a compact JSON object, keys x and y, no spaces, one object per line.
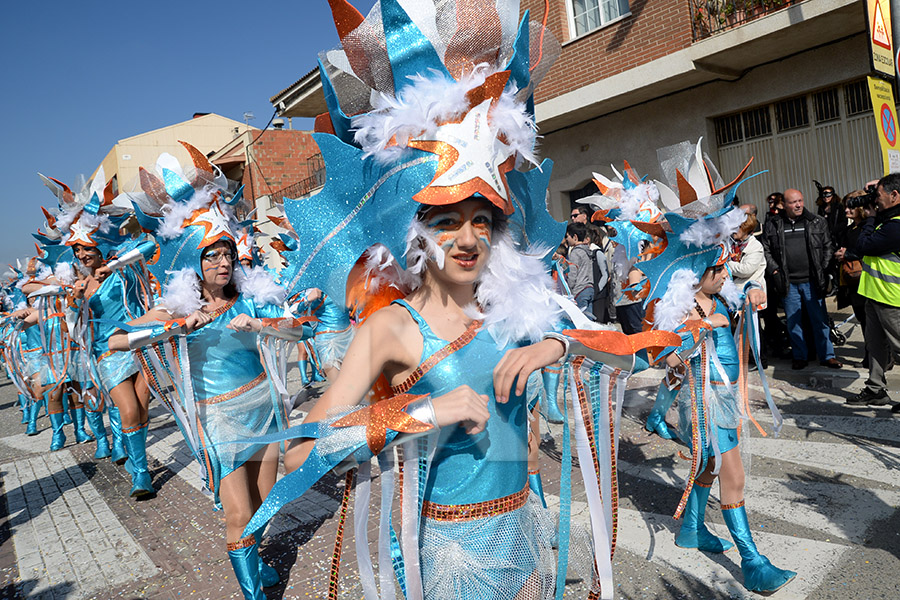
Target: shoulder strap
{"x":467,"y":336}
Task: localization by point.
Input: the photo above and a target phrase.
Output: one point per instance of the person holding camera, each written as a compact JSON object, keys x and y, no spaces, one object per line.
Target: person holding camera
{"x":803,"y":280}
{"x":879,"y":282}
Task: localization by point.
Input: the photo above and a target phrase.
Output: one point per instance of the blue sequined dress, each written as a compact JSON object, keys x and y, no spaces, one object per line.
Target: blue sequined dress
{"x":724,"y":408}
{"x":116,"y":300}
{"x":231,"y":392}
{"x":508,"y":551}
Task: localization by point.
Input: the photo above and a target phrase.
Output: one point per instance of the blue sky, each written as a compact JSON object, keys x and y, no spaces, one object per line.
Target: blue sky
{"x":78,"y":76}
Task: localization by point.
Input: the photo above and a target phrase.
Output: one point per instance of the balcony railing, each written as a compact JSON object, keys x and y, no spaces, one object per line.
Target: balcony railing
{"x":713,"y":16}
{"x":315,"y":166}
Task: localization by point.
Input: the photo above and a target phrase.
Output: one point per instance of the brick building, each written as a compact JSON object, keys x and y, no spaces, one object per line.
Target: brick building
{"x":779,"y":80}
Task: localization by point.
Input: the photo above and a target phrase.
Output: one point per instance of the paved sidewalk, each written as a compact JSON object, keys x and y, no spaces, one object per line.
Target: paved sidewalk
{"x":823,"y":500}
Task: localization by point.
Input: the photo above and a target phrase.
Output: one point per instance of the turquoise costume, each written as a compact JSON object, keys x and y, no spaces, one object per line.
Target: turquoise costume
{"x":512,"y":547}
{"x":230,"y":389}
{"x":113,"y":304}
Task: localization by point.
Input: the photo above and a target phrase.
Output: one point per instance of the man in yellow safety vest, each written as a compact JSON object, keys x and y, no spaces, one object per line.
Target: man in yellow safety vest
{"x":879,"y":283}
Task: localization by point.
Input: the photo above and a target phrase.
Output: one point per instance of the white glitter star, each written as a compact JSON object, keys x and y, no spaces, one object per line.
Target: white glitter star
{"x":215,"y":223}
{"x":480,"y":153}
{"x":81,"y":234}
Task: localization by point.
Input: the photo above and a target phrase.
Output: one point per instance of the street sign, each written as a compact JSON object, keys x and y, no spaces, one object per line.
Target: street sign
{"x":885,"y":110}
{"x":881,"y":41}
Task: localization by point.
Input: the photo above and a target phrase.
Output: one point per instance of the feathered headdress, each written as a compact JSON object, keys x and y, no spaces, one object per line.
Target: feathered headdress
{"x":441,"y":98}
{"x":700,"y":222}
{"x":87,"y":217}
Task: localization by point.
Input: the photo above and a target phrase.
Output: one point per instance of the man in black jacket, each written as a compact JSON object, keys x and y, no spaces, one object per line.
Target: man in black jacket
{"x":798,"y":249}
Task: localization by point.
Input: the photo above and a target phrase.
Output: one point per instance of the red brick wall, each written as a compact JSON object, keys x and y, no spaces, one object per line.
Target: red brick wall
{"x":654,"y":29}
{"x":280,"y":160}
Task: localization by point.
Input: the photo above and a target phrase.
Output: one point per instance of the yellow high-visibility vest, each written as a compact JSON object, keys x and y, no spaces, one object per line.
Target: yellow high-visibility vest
{"x":880,"y":277}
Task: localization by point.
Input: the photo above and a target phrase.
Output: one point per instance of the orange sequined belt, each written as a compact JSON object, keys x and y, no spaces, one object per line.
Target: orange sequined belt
{"x":478,"y":510}
{"x":234,"y":393}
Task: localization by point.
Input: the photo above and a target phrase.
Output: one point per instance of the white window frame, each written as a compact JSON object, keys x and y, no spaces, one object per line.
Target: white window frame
{"x":570,"y":17}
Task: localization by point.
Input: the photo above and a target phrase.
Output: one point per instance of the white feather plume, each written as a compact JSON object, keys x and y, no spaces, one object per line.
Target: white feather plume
{"x":708,"y":232}
{"x":515,"y":293}
{"x":65,"y":273}
{"x":181,"y":296}
{"x":731,"y":294}
{"x":676,"y":304}
{"x":420,"y":248}
{"x":176,"y":213}
{"x":430,"y":101}
{"x":258,"y":284}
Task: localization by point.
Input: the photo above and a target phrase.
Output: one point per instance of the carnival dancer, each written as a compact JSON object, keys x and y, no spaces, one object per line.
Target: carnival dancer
{"x":111,"y":290}
{"x":219,"y":307}
{"x":691,"y":294}
{"x":429,"y":174}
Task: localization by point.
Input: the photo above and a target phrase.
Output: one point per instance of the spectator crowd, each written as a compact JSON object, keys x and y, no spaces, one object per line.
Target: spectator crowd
{"x":848,"y":249}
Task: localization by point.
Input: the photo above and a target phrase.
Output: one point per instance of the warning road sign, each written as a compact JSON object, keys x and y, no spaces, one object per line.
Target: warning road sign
{"x":878,"y":22}
{"x":879,"y":29}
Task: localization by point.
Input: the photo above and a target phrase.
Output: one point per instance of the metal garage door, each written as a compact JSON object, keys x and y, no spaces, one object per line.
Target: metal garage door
{"x":828,"y":135}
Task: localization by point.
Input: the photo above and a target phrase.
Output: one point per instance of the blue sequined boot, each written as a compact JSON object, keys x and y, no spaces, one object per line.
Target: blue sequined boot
{"x":551,"y":388}
{"x":244,"y":557}
{"x":23,"y":404}
{"x":656,"y":421}
{"x":759,"y":574}
{"x":65,"y":405}
{"x":81,"y":436}
{"x":317,"y":375}
{"x":95,"y":420}
{"x":268,"y":576}
{"x":302,"y":365}
{"x":119,"y":454}
{"x":34,"y":409}
{"x":57,"y":420}
{"x":136,"y":442}
{"x":693,"y":533}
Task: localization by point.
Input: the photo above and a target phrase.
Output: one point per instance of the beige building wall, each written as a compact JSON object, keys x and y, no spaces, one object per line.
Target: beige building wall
{"x":635,"y":133}
{"x":207,"y":133}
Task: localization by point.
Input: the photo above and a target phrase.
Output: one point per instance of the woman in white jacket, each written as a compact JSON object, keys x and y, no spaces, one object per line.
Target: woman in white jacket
{"x":747,"y":261}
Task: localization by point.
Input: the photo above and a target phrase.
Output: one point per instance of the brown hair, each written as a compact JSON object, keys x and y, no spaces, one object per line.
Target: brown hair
{"x":750,"y":224}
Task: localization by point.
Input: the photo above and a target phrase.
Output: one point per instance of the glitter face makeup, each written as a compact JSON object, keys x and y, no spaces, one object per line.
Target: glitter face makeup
{"x":463,"y":231}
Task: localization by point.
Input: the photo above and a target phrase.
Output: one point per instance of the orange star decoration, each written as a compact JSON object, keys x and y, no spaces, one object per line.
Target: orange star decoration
{"x":384,"y":415}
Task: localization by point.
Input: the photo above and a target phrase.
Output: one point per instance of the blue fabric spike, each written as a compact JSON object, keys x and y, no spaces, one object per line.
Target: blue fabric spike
{"x":359,"y":205}
{"x":53,"y":254}
{"x":408,"y":49}
{"x":290,"y":242}
{"x":179,"y":189}
{"x":238,"y":195}
{"x":677,"y":256}
{"x":536,"y":224}
{"x":520,"y":63}
{"x":144,"y":220}
{"x":93,"y":206}
{"x":339,"y":120}
{"x":732,"y":192}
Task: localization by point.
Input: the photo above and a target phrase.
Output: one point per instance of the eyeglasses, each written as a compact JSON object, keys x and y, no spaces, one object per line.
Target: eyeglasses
{"x":216,"y":256}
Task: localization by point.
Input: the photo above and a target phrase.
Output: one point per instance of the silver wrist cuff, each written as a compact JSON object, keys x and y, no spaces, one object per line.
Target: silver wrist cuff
{"x":145,"y":337}
{"x":422,"y":410}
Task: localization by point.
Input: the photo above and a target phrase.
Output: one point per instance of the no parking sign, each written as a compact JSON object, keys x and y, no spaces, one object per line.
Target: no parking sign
{"x":886,"y":120}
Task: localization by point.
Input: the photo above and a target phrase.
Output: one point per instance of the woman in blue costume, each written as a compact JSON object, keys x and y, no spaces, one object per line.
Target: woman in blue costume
{"x":331,"y":338}
{"x":91,"y":226}
{"x":219,"y":311}
{"x":688,"y":292}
